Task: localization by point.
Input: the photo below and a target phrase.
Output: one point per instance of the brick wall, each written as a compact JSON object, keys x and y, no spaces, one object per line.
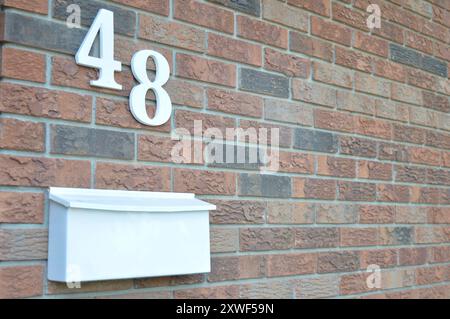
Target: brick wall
{"x":364,"y":132}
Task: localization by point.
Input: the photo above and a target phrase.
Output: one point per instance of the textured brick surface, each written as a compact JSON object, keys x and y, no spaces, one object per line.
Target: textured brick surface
{"x":362,"y":174}
{"x":71,"y":140}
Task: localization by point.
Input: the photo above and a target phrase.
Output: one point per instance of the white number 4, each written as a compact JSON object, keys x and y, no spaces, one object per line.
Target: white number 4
{"x":104,"y":24}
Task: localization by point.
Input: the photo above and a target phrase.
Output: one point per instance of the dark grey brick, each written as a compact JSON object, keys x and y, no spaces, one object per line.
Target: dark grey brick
{"x":124,"y":20}
{"x":305,"y":139}
{"x":72,"y":140}
{"x":252,"y":7}
{"x":402,"y":235}
{"x":249,"y":157}
{"x":40,"y":33}
{"x":264,"y":83}
{"x":406,"y":56}
{"x":264,"y":185}
{"x":413,"y":58}
{"x":434,"y":66}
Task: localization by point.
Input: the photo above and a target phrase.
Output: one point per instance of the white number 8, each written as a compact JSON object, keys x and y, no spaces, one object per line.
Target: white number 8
{"x":137,"y":97}
{"x":104,"y":26}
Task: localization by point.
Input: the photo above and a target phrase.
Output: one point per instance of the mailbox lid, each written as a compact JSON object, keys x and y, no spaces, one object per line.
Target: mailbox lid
{"x":132,"y":201}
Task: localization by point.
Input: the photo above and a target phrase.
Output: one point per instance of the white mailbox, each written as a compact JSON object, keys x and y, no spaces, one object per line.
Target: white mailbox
{"x":109,"y":234}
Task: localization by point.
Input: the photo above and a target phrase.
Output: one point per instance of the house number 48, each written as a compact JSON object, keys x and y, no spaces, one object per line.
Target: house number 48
{"x":104,"y":26}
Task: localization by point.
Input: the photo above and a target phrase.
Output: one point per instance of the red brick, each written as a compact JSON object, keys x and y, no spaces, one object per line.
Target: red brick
{"x":215,"y":292}
{"x":43,"y":172}
{"x":313,"y":93}
{"x":117,"y":113}
{"x":356,"y":146}
{"x":357,"y":191}
{"x":171,"y":33}
{"x":356,"y":103}
{"x":65,"y":72}
{"x":204,"y":182}
{"x":290,"y":213}
{"x":236,"y":267}
{"x":440,"y":15}
{"x":285,"y":137}
{"x":132,"y":177}
{"x":369,"y":84}
{"x":381,"y":257}
{"x":331,"y":74}
{"x":396,"y":111}
{"x":412,"y":256}
{"x":336,"y":214}
{"x":425,"y":156}
{"x":373,"y":127}
{"x":441,"y":51}
{"x":342,"y":261}
{"x":440,"y":254}
{"x":54,"y":287}
{"x":352,"y":237}
{"x":262,"y":32}
{"x":374,"y":170}
{"x":390,"y":70}
{"x":23,"y":244}
{"x":157,"y":6}
{"x":422,"y":79}
{"x":314,"y":188}
{"x":37,"y":6}
{"x":393,"y":193}
{"x":354,"y":60}
{"x":27,"y":100}
{"x":235,"y":50}
{"x":185,"y":93}
{"x":279,"y":12}
{"x":335,"y":121}
{"x":316,"y":237}
{"x":21,"y":281}
{"x":331,"y":31}
{"x":224,"y":240}
{"x":406,"y":94}
{"x":21,"y":207}
{"x":159,"y":149}
{"x":257,"y":239}
{"x":238,"y":212}
{"x":169,"y":281}
{"x":393,"y":152}
{"x":336,"y":166}
{"x":125,"y":48}
{"x":390,"y":31}
{"x":290,"y":65}
{"x":296,"y":163}
{"x":321,"y":7}
{"x":234,"y":103}
{"x":430,"y":275}
{"x":196,"y":68}
{"x":186,"y":120}
{"x":376,"y":214}
{"x":409,"y":134}
{"x":371,"y":44}
{"x":205,"y":15}
{"x":291,"y":264}
{"x":354,"y":284}
{"x":439,"y":215}
{"x":428,"y":195}
{"x":310,"y":46}
{"x":22,"y":135}
{"x":33,"y":63}
{"x":353,"y":18}
{"x":418,"y":42}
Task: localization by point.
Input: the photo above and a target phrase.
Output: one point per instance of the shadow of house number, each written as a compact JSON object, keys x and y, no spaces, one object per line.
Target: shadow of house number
{"x":104,"y":26}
